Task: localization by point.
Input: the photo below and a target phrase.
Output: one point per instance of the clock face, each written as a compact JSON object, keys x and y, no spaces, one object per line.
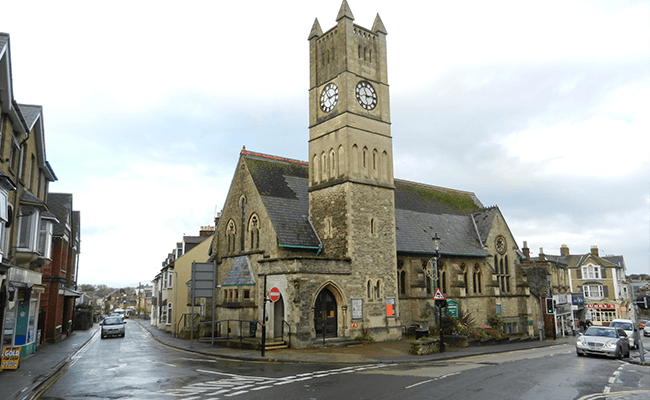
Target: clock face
{"x":366,"y":95}
{"x":329,"y":97}
{"x":500,"y":244}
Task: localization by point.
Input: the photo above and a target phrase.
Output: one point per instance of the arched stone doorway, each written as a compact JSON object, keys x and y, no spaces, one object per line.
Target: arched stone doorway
{"x":325,"y":314}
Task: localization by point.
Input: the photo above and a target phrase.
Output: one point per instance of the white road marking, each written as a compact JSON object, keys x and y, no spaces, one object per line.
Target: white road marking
{"x":234,"y":385}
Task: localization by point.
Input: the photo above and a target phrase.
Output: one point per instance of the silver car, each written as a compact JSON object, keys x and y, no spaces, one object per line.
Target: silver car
{"x":113,"y":326}
{"x":603,"y":340}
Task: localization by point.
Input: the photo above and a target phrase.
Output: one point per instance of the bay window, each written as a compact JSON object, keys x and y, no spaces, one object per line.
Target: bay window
{"x":35,"y":231}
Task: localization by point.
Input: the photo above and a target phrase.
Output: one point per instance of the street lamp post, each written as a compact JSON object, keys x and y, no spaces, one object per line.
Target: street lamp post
{"x":435,"y":275}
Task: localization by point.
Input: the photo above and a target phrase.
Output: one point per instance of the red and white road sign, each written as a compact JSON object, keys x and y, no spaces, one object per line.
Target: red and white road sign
{"x":438,"y":295}
{"x":274,"y":294}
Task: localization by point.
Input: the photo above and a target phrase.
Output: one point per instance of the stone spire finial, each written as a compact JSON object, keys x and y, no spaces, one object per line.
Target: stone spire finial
{"x":316,"y":31}
{"x":378,"y":26}
{"x":345,"y":12}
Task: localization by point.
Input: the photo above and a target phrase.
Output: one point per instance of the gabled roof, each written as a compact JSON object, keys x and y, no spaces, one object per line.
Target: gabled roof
{"x":31,"y":113}
{"x":420,"y":210}
{"x":577,"y":260}
{"x":616,"y":260}
{"x":61,"y":206}
{"x":282,"y":184}
{"x":241,"y":273}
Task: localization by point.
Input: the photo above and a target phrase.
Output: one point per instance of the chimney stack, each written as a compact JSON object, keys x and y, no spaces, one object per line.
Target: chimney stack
{"x":542,"y":257}
{"x":206,"y":231}
{"x":564,"y":250}
{"x":594,"y":251}
{"x":526,"y":250}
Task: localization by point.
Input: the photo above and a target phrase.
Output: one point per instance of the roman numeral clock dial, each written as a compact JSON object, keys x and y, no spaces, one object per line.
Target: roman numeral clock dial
{"x":366,"y":95}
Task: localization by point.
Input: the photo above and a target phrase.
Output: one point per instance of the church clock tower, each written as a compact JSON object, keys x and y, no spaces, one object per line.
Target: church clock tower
{"x":351,"y":188}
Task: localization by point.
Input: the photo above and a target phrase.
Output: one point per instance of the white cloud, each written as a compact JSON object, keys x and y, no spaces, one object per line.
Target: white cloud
{"x":539,"y":108}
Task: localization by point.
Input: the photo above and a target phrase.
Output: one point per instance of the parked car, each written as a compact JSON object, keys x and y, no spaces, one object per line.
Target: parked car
{"x":113,"y":326}
{"x":631,"y":328}
{"x":604,"y":340}
{"x":642,"y":323}
{"x":646,"y":330}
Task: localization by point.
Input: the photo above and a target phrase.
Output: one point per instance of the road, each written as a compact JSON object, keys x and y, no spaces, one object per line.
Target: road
{"x":137,"y":367}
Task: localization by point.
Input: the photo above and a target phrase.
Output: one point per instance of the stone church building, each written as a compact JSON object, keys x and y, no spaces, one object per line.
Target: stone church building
{"x":345,"y":243}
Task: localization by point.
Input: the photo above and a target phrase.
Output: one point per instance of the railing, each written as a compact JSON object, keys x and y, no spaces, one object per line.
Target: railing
{"x":215,"y":328}
{"x":221,"y":330}
{"x":288,"y":331}
{"x":183,"y":322}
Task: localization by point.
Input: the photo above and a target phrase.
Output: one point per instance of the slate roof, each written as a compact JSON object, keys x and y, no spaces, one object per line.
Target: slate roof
{"x":240,"y":273}
{"x":28,"y":198}
{"x":577,"y":260}
{"x":61,"y":205}
{"x":30,"y":114}
{"x":420,"y":210}
{"x":282,"y":184}
{"x":4,"y":39}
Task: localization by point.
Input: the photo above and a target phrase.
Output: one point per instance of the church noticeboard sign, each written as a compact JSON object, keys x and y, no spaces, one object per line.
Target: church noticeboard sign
{"x":452,"y":308}
{"x":10,"y":357}
{"x":390,"y":307}
{"x":357,"y":308}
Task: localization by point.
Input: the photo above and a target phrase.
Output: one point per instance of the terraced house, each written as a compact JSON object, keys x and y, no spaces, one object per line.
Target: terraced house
{"x":26,"y":223}
{"x":28,"y":226}
{"x":348,"y":247}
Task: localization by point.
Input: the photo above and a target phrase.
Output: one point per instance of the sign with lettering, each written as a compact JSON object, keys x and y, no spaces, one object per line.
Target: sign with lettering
{"x":10,"y":357}
{"x":597,"y":306}
{"x":357,"y":308}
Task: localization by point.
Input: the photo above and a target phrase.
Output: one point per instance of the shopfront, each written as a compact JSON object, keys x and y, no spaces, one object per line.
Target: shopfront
{"x":21,"y":310}
{"x":601,"y":313}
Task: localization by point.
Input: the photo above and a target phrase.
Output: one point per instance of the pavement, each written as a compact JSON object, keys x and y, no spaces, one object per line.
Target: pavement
{"x":36,"y":372}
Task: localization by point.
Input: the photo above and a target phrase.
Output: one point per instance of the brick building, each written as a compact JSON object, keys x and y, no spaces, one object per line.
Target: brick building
{"x":60,"y":276}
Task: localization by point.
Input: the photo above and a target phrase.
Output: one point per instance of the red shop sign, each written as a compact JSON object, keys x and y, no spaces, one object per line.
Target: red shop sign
{"x":602,"y":306}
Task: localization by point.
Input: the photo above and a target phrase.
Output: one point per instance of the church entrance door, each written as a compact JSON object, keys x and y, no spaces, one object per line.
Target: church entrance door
{"x":325,"y":314}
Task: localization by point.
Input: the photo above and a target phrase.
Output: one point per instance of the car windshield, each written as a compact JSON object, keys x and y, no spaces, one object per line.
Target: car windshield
{"x":623,"y":325}
{"x":112,"y":321}
{"x":594,"y":331}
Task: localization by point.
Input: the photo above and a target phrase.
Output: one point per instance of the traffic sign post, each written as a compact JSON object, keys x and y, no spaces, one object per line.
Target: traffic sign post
{"x":441,"y":302}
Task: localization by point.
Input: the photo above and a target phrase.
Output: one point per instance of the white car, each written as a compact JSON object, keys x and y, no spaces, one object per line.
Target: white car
{"x":112,"y":326}
{"x":631,"y":328}
{"x":646,"y":329}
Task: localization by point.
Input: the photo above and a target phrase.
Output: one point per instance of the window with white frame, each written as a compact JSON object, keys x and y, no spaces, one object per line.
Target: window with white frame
{"x":169,"y":280}
{"x":593,"y":291}
{"x":169,"y":314}
{"x":46,"y":227}
{"x":164,"y":282}
{"x":590,"y":271}
{"x":28,"y":226}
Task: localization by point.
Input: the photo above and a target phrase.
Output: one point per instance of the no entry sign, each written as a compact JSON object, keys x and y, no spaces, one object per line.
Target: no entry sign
{"x":274,"y":294}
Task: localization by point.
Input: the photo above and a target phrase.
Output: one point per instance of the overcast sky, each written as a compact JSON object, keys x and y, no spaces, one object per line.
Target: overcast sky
{"x":540,"y":108}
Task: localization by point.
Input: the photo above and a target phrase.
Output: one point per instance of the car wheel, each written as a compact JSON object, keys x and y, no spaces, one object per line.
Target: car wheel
{"x":618,"y":355}
{"x":579,"y":354}
{"x":627,"y":355}
{"x":103,"y":337}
